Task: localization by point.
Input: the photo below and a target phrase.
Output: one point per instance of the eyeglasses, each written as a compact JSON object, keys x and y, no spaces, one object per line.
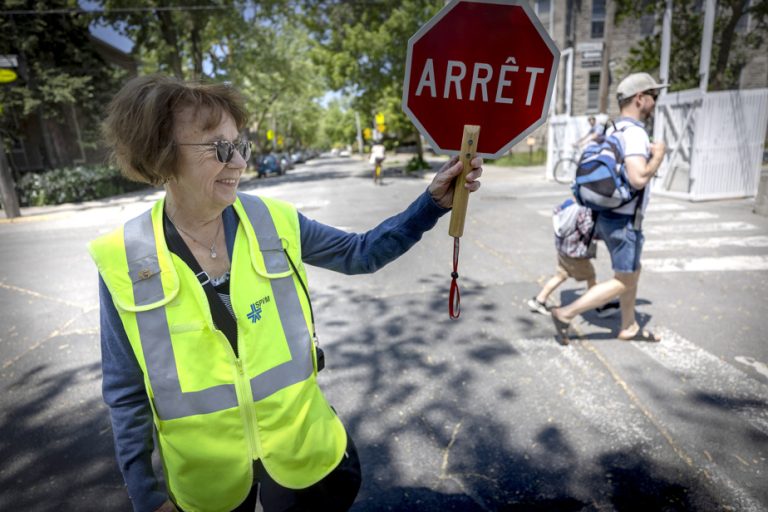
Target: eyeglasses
{"x":652,"y":94}
{"x":225,"y":149}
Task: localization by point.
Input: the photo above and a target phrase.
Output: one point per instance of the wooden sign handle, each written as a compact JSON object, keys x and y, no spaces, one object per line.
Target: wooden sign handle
{"x":460,"y":193}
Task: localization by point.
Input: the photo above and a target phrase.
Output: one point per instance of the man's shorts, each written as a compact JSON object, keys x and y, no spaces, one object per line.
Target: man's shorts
{"x":625,"y":244}
{"x":580,"y":269}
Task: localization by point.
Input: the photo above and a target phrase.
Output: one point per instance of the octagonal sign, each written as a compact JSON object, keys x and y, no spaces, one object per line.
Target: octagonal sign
{"x":480,"y":62}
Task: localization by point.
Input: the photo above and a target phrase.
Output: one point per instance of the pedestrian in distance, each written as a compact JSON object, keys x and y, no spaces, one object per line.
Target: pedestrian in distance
{"x":621,"y":228}
{"x":595,"y":130}
{"x":575,"y":244}
{"x":378,"y":155}
{"x":207,"y":330}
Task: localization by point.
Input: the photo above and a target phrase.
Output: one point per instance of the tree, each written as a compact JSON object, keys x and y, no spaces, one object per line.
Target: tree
{"x":170,"y":36}
{"x":729,"y":48}
{"x":337,"y":128}
{"x":362,"y":46}
{"x":59,"y":69}
{"x":251,"y":45}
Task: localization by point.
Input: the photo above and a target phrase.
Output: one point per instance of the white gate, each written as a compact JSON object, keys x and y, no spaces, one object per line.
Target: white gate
{"x":714,"y":143}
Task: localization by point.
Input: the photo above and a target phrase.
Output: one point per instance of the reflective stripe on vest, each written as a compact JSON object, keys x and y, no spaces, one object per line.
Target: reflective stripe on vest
{"x":170,"y":402}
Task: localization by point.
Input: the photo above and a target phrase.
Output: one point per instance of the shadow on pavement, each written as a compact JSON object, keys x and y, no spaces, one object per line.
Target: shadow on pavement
{"x":56,"y":456}
{"x":408,"y":377}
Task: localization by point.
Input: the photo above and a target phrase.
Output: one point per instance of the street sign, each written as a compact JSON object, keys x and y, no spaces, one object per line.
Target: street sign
{"x":7,"y":76}
{"x":9,"y":61}
{"x":488,"y":63}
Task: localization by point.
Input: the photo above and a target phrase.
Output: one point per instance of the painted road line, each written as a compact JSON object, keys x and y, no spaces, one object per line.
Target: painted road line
{"x":664,"y":207}
{"x":702,"y":227}
{"x":599,"y":404}
{"x":703,"y":376}
{"x":705,"y":243}
{"x":759,"y":367}
{"x":669,"y":217}
{"x":717,"y":264}
{"x":711,"y":375}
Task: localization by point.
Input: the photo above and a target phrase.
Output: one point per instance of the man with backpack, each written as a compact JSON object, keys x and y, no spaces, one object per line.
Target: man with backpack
{"x":612,"y":179}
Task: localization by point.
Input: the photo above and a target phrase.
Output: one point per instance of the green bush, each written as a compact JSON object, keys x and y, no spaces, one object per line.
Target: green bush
{"x":72,"y":184}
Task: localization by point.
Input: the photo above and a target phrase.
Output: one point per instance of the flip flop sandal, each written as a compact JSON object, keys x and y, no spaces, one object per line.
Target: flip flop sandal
{"x":643,"y":335}
{"x":562,"y":329}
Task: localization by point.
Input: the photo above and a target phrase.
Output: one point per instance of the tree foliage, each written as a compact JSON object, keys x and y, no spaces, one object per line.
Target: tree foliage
{"x":362,"y":48}
{"x":730,"y":45}
{"x":58,"y":65}
{"x":252,"y":45}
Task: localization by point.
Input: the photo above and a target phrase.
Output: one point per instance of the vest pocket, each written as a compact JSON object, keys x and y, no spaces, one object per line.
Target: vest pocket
{"x":186,"y":327}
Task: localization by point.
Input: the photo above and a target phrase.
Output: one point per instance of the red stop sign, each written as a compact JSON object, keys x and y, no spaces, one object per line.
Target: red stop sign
{"x":480,"y":62}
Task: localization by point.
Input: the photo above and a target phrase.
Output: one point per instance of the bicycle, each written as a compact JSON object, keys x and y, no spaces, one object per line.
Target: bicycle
{"x":565,"y":168}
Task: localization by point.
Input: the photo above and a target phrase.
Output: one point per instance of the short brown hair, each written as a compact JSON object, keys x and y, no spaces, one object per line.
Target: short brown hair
{"x":139,"y":127}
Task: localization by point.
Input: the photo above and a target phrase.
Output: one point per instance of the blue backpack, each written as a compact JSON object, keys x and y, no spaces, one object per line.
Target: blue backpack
{"x":601,"y":181}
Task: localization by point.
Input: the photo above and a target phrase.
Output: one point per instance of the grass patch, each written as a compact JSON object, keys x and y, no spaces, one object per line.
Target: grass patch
{"x":522,"y":159}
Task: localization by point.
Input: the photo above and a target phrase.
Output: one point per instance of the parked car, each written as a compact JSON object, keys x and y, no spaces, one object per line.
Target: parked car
{"x":285,"y":161}
{"x":268,"y":165}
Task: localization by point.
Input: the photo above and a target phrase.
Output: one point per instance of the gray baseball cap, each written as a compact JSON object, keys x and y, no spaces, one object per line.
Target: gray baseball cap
{"x":635,"y":83}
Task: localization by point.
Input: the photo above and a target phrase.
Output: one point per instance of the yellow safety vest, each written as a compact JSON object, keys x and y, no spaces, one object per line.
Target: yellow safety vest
{"x":216,"y":413}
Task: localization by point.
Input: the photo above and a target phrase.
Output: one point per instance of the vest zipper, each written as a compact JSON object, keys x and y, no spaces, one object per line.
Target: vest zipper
{"x":245,"y":399}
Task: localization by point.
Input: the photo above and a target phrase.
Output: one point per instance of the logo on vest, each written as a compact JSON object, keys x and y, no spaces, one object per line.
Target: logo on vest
{"x":255,"y":314}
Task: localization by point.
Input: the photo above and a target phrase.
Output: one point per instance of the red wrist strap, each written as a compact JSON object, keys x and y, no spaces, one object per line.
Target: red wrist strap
{"x":454,"y":299}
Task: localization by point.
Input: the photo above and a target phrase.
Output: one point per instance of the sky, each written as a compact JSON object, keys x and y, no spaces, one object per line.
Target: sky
{"x":106,"y":33}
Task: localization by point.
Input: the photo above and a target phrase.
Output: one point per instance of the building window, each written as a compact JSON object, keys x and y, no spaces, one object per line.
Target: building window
{"x":743,"y":23}
{"x":542,"y":10}
{"x":598,"y":18}
{"x":647,"y":24}
{"x":593,"y":92}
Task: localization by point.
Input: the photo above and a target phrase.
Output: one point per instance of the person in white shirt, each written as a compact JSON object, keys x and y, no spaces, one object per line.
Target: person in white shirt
{"x":378,"y":154}
{"x":621,"y":229}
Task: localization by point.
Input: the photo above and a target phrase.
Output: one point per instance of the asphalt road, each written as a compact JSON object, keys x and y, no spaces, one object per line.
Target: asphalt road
{"x":484,"y":413}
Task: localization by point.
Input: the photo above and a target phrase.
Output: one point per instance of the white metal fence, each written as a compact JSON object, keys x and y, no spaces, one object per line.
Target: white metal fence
{"x":714,"y":143}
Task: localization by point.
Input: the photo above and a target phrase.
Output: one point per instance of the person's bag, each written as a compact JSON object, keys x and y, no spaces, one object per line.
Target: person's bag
{"x":601,"y":181}
{"x":569,"y":239}
{"x":564,"y":218}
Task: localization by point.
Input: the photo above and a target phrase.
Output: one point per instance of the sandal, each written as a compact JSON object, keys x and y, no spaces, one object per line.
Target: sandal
{"x":562,"y":329}
{"x":642,"y":335}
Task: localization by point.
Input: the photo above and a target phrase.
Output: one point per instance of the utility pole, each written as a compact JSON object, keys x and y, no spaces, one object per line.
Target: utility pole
{"x":706,"y":44}
{"x":666,"y":45}
{"x":359,"y":133}
{"x":610,"y":14}
{"x":8,"y":188}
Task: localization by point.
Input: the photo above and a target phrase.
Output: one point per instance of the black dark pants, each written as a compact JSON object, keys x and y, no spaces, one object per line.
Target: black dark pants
{"x":334,"y":493}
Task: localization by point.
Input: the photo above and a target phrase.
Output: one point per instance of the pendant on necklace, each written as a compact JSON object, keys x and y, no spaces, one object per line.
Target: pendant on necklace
{"x":213,"y":252}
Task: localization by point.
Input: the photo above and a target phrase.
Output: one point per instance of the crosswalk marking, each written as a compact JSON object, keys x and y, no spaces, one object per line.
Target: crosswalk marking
{"x":705,"y":243}
{"x":703,"y":227}
{"x":667,"y":217}
{"x":670,"y":227}
{"x":707,"y":264}
{"x":664,"y":207}
{"x":709,"y":374}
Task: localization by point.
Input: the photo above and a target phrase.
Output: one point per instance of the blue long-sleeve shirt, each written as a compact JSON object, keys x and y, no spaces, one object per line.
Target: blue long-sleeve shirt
{"x":321,"y":245}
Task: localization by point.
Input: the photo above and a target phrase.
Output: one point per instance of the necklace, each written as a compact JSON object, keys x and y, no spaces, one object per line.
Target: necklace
{"x":212,"y":248}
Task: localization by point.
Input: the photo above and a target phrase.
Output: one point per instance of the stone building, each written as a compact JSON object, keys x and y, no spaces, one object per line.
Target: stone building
{"x":578,"y":28}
